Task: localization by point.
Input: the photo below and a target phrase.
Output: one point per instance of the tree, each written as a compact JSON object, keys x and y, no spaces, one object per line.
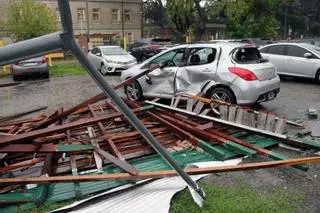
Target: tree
{"x":181,"y":15}
{"x":250,"y":18}
{"x":154,"y":11}
{"x":28,"y":19}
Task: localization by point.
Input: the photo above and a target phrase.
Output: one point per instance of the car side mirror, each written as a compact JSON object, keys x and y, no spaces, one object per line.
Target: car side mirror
{"x":98,"y":54}
{"x":307,"y":55}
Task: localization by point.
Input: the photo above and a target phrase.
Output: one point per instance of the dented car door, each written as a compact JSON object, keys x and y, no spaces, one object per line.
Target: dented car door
{"x":201,"y":67}
{"x":160,"y":82}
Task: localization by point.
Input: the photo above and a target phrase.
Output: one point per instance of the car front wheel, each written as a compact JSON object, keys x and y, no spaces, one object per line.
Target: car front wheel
{"x":223,"y":94}
{"x":103,"y":69}
{"x":133,"y":91}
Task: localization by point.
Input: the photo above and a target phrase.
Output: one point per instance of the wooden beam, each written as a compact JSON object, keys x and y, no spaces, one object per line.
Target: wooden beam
{"x":160,"y":174}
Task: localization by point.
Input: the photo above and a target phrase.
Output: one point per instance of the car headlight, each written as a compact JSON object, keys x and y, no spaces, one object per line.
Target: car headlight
{"x":109,"y":61}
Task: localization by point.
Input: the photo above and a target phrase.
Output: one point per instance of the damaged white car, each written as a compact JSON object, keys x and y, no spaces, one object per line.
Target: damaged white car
{"x":230,"y":72}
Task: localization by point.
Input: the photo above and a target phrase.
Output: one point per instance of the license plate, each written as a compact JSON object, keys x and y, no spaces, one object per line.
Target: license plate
{"x":271,"y":95}
{"x":30,"y":64}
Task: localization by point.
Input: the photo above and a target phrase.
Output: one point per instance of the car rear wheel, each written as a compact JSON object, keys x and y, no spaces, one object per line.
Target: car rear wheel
{"x":133,"y":91}
{"x":222,"y":94}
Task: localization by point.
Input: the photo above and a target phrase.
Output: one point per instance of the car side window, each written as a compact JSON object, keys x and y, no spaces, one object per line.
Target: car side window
{"x":202,"y":55}
{"x":296,"y":51}
{"x":264,"y":50}
{"x":276,"y":50}
{"x":94,"y":50}
{"x":174,"y":56}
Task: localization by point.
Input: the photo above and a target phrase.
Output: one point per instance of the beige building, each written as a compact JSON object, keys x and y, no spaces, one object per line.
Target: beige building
{"x":102,"y":16}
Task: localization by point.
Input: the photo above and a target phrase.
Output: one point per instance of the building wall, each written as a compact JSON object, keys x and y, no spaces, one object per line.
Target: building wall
{"x":105,"y":25}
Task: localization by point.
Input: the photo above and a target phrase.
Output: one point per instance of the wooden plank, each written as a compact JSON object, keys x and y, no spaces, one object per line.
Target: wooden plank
{"x":239,"y":115}
{"x":198,"y":107}
{"x":270,"y":122}
{"x":219,"y":120}
{"x":232,"y":113}
{"x":62,"y":128}
{"x":190,"y":103}
{"x":95,"y":143}
{"x":245,"y":118}
{"x":160,"y":174}
{"x":176,"y":102}
{"x":262,"y":118}
{"x":21,"y":164}
{"x":251,"y":119}
{"x":223,"y":109}
{"x":205,"y":111}
{"x":280,"y":125}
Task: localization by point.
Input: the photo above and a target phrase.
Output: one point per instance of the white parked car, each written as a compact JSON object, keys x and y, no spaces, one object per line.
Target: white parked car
{"x":230,"y":72}
{"x":111,"y":59}
{"x":294,"y":59}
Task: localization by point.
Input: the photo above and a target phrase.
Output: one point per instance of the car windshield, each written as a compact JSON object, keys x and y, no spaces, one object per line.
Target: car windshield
{"x":311,"y":47}
{"x":113,"y":51}
{"x":247,"y":55}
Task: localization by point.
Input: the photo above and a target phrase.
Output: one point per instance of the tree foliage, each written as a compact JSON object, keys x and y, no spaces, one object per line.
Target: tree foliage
{"x":28,"y":19}
{"x":181,"y":14}
{"x":250,"y":18}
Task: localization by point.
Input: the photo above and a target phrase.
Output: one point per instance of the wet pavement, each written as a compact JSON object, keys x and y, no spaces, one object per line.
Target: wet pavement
{"x":55,"y":92}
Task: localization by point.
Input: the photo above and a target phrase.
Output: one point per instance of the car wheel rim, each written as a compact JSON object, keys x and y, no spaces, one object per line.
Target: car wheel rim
{"x":221,"y":96}
{"x":103,"y":70}
{"x":133,"y":92}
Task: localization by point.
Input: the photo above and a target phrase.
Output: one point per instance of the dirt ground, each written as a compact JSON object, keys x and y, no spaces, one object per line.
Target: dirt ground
{"x":294,"y":98}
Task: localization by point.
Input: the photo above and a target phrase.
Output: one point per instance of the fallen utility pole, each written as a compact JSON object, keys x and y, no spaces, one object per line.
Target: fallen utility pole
{"x":160,"y":174}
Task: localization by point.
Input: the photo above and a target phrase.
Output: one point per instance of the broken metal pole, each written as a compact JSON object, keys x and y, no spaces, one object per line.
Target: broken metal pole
{"x":64,"y":41}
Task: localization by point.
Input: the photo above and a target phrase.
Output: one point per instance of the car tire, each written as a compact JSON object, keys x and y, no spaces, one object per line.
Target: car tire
{"x":318,"y":77}
{"x":222,"y":94}
{"x":134,"y":91}
{"x":103,"y":69}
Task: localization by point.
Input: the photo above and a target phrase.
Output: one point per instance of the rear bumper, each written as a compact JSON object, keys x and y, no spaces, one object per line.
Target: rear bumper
{"x":251,"y":92}
{"x":40,"y":69}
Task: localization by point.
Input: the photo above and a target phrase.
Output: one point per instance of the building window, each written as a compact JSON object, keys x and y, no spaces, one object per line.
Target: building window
{"x":115,"y":15}
{"x":129,"y":37}
{"x":58,"y":18}
{"x":96,"y":14}
{"x":127,"y":16}
{"x":81,"y":13}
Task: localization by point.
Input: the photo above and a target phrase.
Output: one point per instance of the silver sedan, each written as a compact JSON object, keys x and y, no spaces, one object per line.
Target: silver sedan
{"x":294,"y":59}
{"x":111,"y":59}
{"x":230,"y":72}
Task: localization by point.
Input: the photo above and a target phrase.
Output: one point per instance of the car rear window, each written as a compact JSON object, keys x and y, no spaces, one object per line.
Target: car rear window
{"x":161,"y":41}
{"x":247,"y":55}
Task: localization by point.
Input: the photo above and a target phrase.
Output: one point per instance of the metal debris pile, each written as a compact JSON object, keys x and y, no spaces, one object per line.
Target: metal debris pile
{"x":94,"y":138}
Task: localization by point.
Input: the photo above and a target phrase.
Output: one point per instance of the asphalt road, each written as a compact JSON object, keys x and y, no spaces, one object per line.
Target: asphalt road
{"x":295,"y":97}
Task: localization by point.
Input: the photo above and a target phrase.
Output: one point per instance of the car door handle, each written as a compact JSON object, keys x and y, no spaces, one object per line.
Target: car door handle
{"x":206,"y":70}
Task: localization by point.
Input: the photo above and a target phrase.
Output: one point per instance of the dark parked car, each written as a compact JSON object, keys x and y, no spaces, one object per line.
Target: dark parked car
{"x":33,"y":66}
{"x":148,"y":47}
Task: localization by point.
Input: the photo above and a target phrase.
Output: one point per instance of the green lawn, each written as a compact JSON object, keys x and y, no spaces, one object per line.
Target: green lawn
{"x":61,"y":69}
{"x":238,"y":198}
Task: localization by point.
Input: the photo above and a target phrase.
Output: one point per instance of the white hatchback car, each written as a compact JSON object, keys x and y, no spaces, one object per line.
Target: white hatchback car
{"x":294,"y":59}
{"x":111,"y":59}
{"x":230,"y":72}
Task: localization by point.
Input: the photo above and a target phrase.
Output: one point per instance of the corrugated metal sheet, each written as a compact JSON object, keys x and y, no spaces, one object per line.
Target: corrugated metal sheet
{"x":152,"y":197}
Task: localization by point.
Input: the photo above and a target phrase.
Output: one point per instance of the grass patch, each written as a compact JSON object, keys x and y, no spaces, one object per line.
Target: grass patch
{"x":238,"y":198}
{"x":62,"y":69}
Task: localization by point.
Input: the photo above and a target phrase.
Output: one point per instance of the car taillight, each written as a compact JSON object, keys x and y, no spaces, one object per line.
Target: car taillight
{"x":152,"y":46}
{"x":44,"y":60}
{"x":17,"y":63}
{"x":243,"y":73}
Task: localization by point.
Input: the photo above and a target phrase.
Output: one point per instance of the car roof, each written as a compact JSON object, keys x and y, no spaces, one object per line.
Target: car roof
{"x":284,"y":43}
{"x":108,"y":46}
{"x":229,"y":45}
